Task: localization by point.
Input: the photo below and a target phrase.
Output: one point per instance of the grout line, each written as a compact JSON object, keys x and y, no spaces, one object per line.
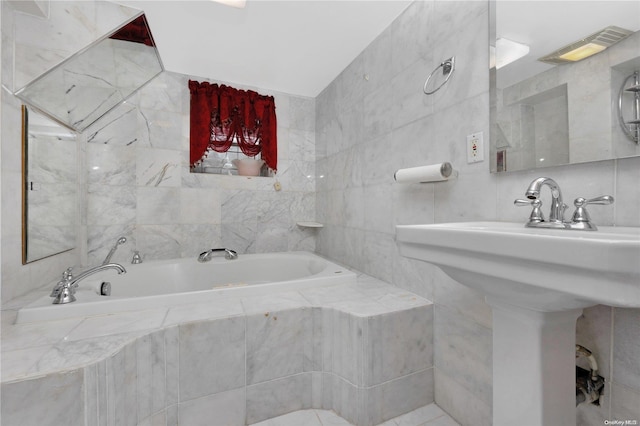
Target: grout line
{"x":246,"y":369}
{"x":615,"y":191}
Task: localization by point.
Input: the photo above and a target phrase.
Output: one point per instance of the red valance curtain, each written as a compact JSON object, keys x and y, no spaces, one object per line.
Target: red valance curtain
{"x":220,"y":114}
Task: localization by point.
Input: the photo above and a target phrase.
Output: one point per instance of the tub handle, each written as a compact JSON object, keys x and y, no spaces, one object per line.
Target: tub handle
{"x":206,"y":256}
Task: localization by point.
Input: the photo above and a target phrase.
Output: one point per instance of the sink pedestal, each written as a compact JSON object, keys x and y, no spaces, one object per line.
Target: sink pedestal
{"x":537,"y":281}
{"x":533,"y":365}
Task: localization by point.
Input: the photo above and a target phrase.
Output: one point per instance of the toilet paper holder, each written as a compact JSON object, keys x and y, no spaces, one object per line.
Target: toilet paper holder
{"x":423,"y":174}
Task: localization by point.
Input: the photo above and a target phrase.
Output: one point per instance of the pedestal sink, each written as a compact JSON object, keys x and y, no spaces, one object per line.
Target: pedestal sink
{"x":537,"y":281}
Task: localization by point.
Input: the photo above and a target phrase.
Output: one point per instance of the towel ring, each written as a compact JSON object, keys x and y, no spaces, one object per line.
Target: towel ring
{"x":448,"y":67}
{"x":628,"y":126}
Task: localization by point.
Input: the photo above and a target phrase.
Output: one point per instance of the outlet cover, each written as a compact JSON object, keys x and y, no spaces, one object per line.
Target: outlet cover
{"x":475,"y":148}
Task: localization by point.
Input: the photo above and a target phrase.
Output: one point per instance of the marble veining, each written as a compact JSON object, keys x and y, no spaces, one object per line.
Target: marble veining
{"x":280,"y":353}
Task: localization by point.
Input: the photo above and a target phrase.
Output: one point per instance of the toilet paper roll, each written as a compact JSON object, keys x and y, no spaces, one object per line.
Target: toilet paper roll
{"x":422,"y":174}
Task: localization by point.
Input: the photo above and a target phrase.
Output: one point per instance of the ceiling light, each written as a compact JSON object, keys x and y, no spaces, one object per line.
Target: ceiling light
{"x":239,"y":4}
{"x":508,"y":51}
{"x":588,"y":46}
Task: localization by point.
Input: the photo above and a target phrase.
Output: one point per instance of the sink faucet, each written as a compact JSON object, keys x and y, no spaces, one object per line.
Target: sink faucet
{"x":206,"y":256}
{"x":64,"y":291}
{"x":580,"y":220}
{"x":556,"y":215}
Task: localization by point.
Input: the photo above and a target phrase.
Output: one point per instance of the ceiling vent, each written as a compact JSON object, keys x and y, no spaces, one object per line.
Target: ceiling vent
{"x":588,"y":46}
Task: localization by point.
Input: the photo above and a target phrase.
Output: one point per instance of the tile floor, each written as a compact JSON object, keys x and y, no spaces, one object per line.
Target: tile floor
{"x":429,"y":415}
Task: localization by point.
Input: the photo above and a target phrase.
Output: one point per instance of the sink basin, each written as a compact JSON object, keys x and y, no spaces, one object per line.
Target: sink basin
{"x":540,"y":269}
{"x":536,"y":281}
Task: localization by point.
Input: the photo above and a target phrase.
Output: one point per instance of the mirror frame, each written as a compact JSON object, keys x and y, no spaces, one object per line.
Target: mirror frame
{"x":23,"y":180}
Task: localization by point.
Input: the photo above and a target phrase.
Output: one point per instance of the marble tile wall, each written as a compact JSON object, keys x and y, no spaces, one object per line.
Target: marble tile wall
{"x":374,"y":119}
{"x":139,"y":184}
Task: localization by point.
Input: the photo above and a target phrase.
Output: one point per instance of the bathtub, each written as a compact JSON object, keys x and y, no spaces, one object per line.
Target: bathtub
{"x":166,"y":283}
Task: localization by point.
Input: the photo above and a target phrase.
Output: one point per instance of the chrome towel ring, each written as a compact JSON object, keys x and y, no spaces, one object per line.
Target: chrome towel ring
{"x":631,"y":127}
{"x":448,"y":67}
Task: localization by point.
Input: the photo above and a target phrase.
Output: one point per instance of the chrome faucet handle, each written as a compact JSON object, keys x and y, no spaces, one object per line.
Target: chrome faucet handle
{"x":230,"y":254}
{"x":602,"y":200}
{"x":67,"y":275}
{"x":536,"y":214}
{"x":206,"y":256}
{"x":581,"y":215}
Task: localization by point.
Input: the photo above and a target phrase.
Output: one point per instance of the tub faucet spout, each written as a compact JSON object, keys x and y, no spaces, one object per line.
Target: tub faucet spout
{"x":64,"y":291}
{"x":206,"y":256}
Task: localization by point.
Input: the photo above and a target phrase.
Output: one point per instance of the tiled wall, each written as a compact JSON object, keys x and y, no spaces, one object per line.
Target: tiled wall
{"x":374,"y":119}
{"x":135,"y":178}
{"x":241,"y":370}
{"x":139,"y":184}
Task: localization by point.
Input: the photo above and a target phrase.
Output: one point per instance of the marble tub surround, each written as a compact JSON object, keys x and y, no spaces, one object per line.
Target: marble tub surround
{"x":363,"y":350}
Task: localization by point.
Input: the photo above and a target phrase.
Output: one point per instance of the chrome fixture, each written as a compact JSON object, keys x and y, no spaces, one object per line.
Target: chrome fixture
{"x":137,"y":259}
{"x":64,"y":291}
{"x":556,"y":214}
{"x":206,"y":256}
{"x":107,"y":259}
{"x":580,"y":219}
{"x":448,"y":67}
{"x":631,"y":127}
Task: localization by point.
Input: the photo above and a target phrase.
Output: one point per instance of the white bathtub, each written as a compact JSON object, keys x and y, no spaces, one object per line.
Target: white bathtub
{"x":167,"y":283}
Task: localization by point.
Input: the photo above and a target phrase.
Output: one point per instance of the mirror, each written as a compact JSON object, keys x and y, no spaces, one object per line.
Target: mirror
{"x":83,"y":88}
{"x":553,"y":114}
{"x":49,"y":187}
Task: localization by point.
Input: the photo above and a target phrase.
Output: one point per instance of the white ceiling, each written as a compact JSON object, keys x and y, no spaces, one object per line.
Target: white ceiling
{"x":296,"y":47}
{"x":300,"y":46}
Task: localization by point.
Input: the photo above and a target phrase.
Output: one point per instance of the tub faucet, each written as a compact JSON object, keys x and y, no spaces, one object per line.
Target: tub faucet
{"x":64,"y":291}
{"x":206,"y":256}
{"x":107,"y":259}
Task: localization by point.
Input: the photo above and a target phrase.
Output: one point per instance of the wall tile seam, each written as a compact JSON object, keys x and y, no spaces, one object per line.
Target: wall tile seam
{"x":357,"y":228}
